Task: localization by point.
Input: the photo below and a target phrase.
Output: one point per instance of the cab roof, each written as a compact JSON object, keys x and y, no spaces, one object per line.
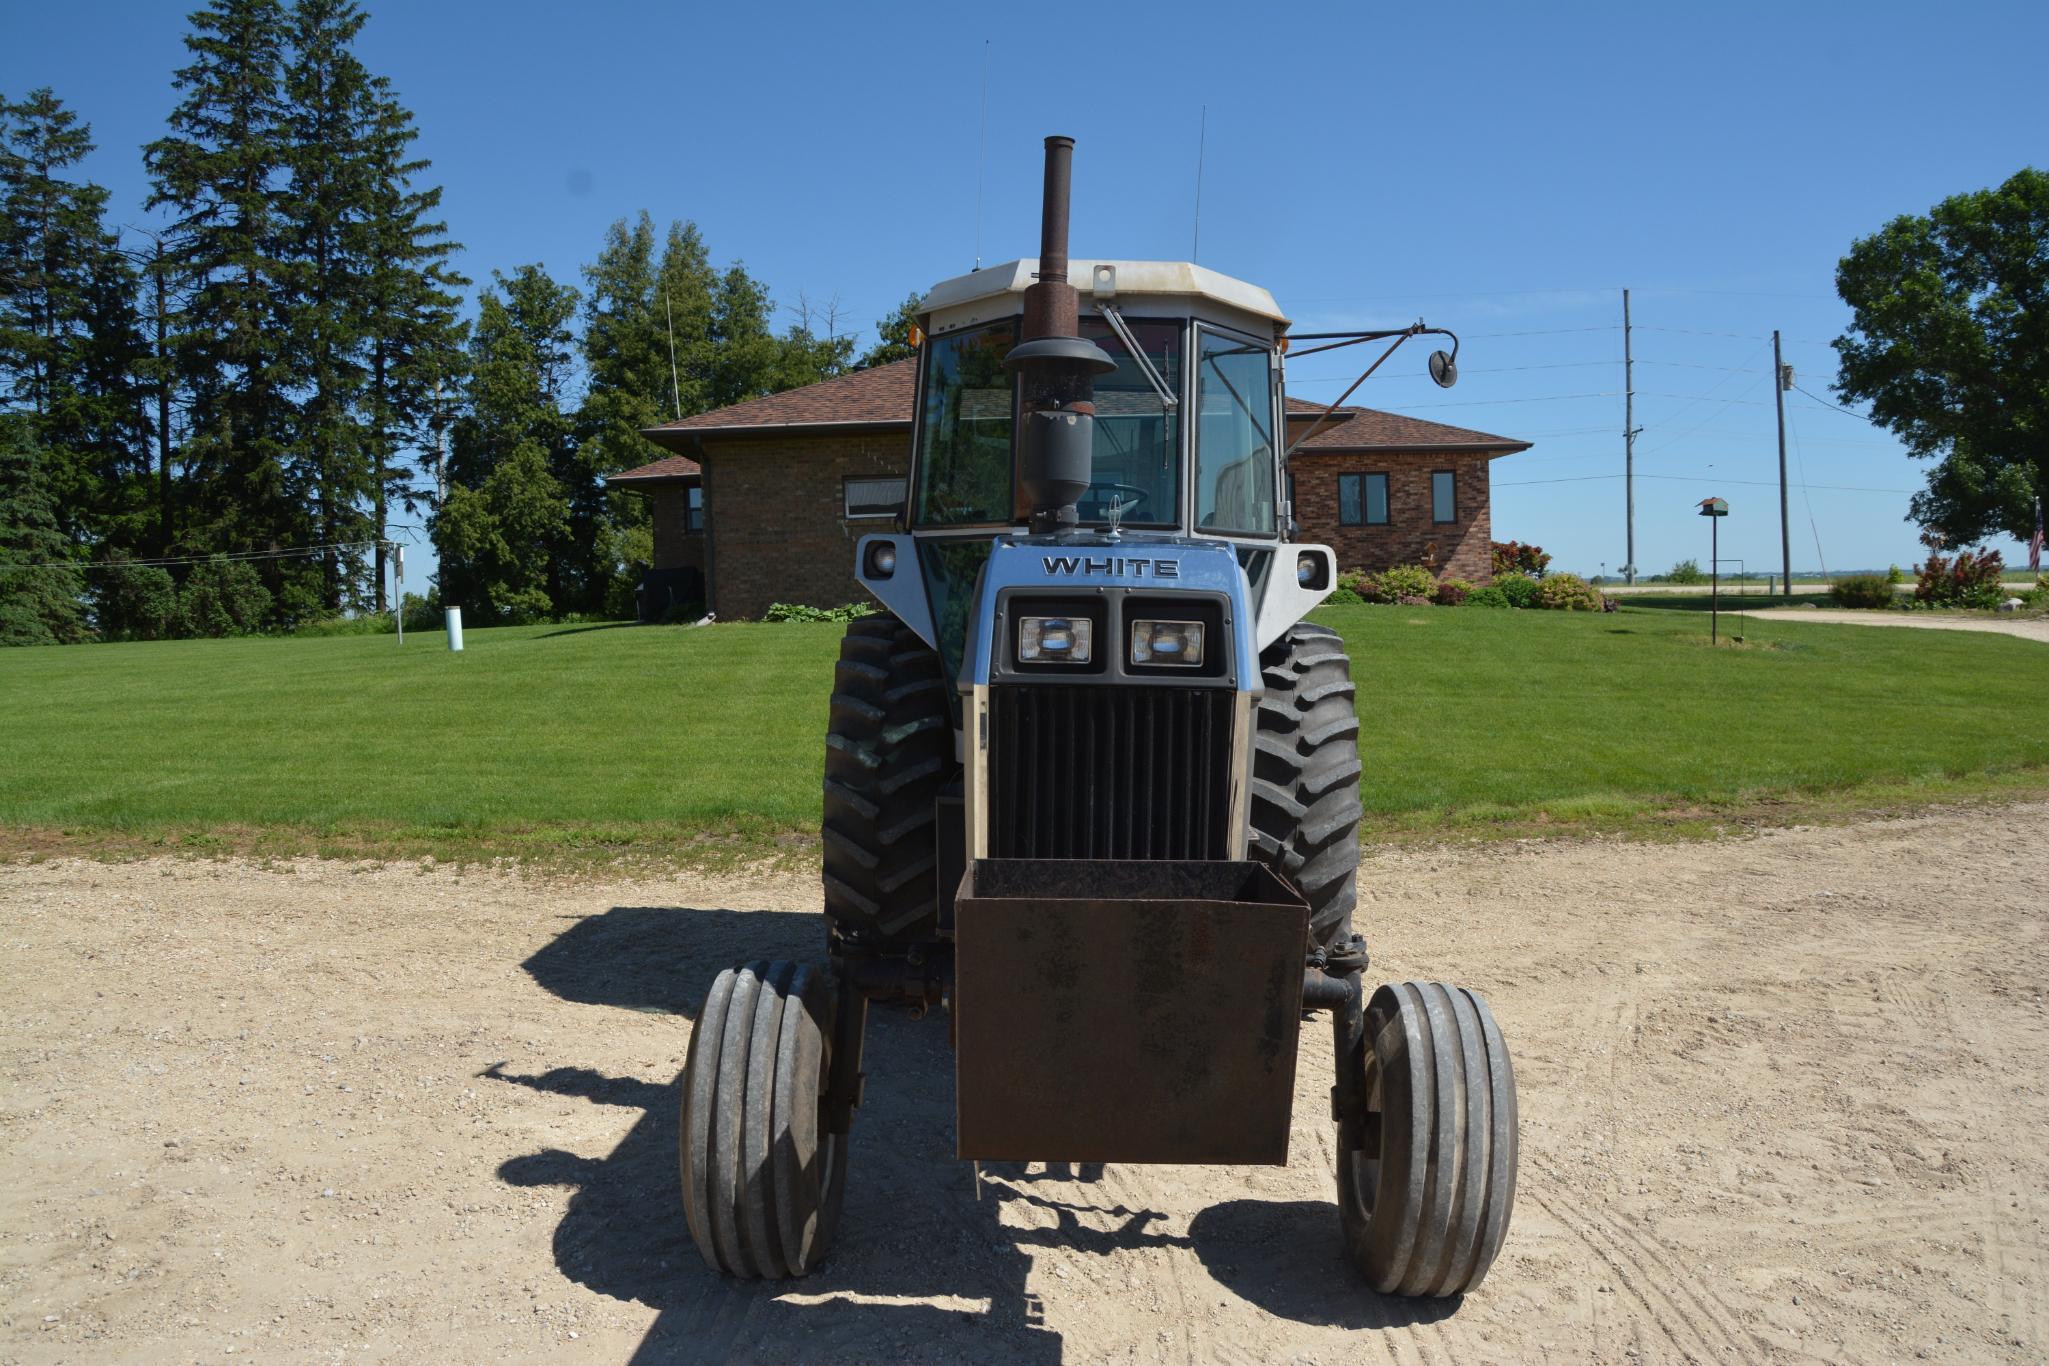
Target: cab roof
{"x":1148,"y":278}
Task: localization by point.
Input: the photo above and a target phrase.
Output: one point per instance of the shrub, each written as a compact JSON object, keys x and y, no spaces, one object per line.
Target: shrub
{"x":136,"y":602}
{"x":224,"y":598}
{"x":1895,"y":576}
{"x":797,"y":611}
{"x":1490,"y":596}
{"x":1452,"y":592}
{"x":1405,"y":581}
{"x":1519,"y":589}
{"x":1342,"y":596}
{"x":1568,"y":593}
{"x":1686,"y":571}
{"x":1862,"y":590}
{"x":1513,"y":557}
{"x":1969,"y":580}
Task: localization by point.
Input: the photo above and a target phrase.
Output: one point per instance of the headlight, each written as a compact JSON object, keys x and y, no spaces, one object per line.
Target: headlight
{"x":1054,"y":640}
{"x":1166,"y":642}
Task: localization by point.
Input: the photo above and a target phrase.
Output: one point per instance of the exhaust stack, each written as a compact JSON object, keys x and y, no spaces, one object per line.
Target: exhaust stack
{"x":1057,"y":368}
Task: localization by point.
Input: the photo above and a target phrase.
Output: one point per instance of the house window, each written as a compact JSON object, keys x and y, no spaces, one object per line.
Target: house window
{"x":872,"y":497}
{"x":1362,"y":500}
{"x":693,"y":515}
{"x":1443,"y":496}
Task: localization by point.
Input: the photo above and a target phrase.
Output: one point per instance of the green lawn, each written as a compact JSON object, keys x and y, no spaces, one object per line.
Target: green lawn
{"x":690,"y":742}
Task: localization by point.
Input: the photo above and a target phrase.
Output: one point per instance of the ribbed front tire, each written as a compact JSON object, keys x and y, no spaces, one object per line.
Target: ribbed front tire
{"x":763,"y":1177}
{"x":1305,"y":776}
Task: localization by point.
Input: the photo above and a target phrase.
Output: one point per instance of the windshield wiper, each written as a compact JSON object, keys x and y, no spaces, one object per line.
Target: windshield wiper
{"x":1112,"y":316}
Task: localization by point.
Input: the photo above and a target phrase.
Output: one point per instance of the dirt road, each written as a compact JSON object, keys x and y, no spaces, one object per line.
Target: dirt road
{"x":1782,"y":1097}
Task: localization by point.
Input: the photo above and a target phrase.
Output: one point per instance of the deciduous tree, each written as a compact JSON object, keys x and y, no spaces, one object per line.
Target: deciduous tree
{"x":1949,"y":344}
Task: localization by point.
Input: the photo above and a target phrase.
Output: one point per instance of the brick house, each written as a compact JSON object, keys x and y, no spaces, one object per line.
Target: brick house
{"x":763,"y":501}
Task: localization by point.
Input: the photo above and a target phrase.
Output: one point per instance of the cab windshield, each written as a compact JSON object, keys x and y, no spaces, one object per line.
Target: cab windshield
{"x":965,"y":476}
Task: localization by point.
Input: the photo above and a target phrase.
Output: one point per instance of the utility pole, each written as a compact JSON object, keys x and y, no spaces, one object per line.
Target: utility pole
{"x":1782,"y":380}
{"x":1628,"y":445}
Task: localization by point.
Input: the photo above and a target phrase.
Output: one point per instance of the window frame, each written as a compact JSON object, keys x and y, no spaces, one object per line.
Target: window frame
{"x":1452,"y":520}
{"x":1366,"y":517}
{"x":889,"y":512}
{"x":1275,"y":430}
{"x":1184,"y":438}
{"x":693,"y":510}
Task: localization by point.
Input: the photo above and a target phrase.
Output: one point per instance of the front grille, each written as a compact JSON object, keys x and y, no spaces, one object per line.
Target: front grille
{"x":1109,"y":772}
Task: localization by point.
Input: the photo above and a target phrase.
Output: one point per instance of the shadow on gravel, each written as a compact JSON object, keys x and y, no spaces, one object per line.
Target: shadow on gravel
{"x":1289,"y":1259}
{"x":912,"y":1228}
{"x":915,"y":1227}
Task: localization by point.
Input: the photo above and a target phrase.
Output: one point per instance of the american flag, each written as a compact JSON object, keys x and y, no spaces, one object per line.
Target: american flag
{"x":2035,"y":546}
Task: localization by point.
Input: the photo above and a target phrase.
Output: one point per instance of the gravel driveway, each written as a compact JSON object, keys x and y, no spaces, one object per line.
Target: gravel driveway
{"x":1782,"y":1097}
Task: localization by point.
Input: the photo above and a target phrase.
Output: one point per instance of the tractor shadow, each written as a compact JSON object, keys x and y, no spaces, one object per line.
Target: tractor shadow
{"x":912,"y":1229}
{"x":924,"y":1268}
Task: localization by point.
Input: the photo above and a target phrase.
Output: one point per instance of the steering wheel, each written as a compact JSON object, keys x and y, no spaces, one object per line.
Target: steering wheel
{"x":1134,"y":498}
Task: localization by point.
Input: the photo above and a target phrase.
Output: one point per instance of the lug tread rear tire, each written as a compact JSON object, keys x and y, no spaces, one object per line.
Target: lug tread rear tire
{"x":888,"y":751}
{"x":1305,"y":807}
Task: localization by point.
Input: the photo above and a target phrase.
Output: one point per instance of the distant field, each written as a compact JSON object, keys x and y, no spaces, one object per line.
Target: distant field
{"x":686,"y":743}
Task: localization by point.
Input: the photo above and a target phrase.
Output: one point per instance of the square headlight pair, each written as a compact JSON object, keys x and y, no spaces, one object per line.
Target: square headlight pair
{"x":1071,"y":640}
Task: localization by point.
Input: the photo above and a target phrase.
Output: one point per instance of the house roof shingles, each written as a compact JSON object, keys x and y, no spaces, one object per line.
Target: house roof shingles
{"x":885,"y":397}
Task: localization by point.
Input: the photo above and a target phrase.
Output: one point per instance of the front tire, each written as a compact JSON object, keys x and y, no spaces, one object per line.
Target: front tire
{"x":1305,"y":776}
{"x":1426,"y":1177}
{"x":763,"y":1175}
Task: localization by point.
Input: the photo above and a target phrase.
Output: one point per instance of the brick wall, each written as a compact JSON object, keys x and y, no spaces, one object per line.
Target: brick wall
{"x":676,"y":546}
{"x":1460,"y":549}
{"x":773,"y":508}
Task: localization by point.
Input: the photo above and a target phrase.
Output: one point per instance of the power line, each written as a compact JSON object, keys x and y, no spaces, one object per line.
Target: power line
{"x":1861,"y":417}
{"x":1699,"y":479}
{"x":233,"y":557}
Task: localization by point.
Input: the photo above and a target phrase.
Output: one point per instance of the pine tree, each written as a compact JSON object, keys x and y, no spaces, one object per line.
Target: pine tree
{"x":220,"y":169}
{"x":412,"y":327}
{"x":70,"y":341}
{"x":325,"y":251}
{"x":39,"y":605}
{"x":520,"y":367}
{"x":748,"y":357}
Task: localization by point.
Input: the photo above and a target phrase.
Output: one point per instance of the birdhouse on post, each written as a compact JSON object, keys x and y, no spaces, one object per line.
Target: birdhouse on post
{"x":1714,"y":507}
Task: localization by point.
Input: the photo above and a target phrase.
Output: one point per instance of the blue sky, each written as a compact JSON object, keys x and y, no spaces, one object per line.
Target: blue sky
{"x":1501,"y":170}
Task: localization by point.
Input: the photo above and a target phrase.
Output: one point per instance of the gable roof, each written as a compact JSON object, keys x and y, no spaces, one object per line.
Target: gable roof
{"x":1353,"y":428}
{"x":884,"y":398}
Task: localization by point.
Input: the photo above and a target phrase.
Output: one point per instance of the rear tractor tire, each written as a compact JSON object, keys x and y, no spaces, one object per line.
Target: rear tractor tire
{"x":763,"y":1175}
{"x":1426,"y":1178}
{"x":1305,"y":777}
{"x":888,"y":751}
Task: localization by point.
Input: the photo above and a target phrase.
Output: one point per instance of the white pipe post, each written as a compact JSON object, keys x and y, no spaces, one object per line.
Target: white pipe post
{"x":398,"y":590}
{"x":454,"y":628}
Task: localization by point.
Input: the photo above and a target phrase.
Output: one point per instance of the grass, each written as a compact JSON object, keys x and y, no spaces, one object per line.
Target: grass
{"x":703,"y":746}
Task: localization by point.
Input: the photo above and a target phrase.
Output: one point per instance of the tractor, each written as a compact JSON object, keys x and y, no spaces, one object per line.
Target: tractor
{"x":1092,"y":790}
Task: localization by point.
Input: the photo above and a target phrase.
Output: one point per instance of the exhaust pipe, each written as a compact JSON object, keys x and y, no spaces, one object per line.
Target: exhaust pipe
{"x":1057,"y":368}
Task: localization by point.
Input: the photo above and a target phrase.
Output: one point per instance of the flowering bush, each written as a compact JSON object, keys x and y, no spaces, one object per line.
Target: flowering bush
{"x":1513,"y":557}
{"x":1404,"y":581}
{"x":1969,"y":580}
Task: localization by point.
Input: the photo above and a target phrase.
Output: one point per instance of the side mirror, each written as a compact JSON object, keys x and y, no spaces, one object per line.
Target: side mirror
{"x":1443,"y":369}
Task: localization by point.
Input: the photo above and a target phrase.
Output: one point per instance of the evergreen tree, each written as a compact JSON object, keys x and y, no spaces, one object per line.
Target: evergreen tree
{"x":893,"y":334}
{"x":632,"y":386}
{"x":325,"y":253}
{"x":70,"y":341}
{"x":39,"y":605}
{"x":221,"y":169}
{"x":520,"y":369}
{"x":414,"y":334}
{"x":748,"y":357}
